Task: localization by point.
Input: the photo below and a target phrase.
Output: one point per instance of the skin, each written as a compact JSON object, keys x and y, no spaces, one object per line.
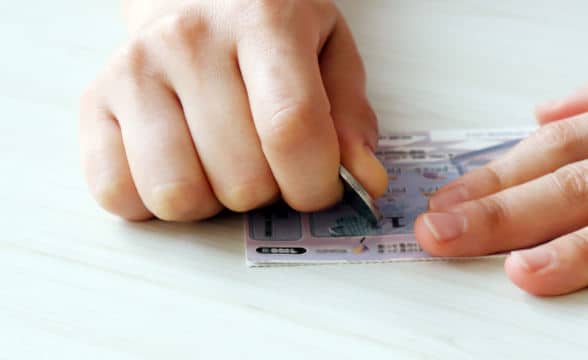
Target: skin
{"x":228,"y":104}
{"x":533,"y":198}
{"x":237,"y":103}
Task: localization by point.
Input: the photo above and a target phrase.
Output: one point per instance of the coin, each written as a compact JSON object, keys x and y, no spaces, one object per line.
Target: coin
{"x":359,"y":199}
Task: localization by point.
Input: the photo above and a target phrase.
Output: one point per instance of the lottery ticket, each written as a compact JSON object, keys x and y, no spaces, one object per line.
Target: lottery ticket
{"x":418,"y":164}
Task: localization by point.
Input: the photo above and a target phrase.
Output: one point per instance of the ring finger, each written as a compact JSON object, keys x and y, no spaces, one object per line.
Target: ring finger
{"x":161,"y":155}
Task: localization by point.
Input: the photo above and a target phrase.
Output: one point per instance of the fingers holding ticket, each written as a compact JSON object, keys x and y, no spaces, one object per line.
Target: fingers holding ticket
{"x":533,"y":200}
{"x":235,"y":104}
{"x":228,"y":104}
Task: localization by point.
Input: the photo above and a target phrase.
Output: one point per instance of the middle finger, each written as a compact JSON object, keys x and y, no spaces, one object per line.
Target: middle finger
{"x":291,"y":111}
{"x":548,"y":149}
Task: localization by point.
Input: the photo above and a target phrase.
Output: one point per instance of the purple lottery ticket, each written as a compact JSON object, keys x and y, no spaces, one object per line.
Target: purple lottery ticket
{"x":418,"y":164}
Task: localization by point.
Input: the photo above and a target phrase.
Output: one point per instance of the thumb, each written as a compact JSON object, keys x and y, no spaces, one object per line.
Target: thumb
{"x":355,"y":122}
{"x":570,"y":106}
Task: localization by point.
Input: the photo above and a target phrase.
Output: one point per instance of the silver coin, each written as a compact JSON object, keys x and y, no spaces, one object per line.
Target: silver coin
{"x":359,"y":199}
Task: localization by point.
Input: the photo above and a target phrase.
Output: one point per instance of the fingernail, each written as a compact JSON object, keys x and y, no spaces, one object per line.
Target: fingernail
{"x":374,"y":173}
{"x":535,"y":259}
{"x":371,"y":151}
{"x":445,"y":226}
{"x":448,"y":198}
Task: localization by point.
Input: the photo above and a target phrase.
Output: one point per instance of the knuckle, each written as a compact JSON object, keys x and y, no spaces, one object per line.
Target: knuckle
{"x":182,"y":202}
{"x":559,"y":138}
{"x":315,"y":200}
{"x":290,"y":128}
{"x":572,"y":182}
{"x":579,"y":241}
{"x":185,"y":29}
{"x":249,"y":195}
{"x":134,"y":63}
{"x":493,"y":175}
{"x":494,"y":210}
{"x":136,"y":56}
{"x":113,"y":196}
{"x":109,"y":196}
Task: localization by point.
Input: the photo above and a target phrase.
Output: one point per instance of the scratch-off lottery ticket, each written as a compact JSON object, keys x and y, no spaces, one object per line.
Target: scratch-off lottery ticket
{"x":418,"y":164}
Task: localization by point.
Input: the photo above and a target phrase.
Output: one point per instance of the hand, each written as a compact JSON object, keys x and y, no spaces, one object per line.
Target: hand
{"x":231,"y":104}
{"x":534,"y":194}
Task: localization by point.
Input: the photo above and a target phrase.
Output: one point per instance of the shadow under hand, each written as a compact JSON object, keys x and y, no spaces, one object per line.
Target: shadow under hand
{"x":222,"y":234}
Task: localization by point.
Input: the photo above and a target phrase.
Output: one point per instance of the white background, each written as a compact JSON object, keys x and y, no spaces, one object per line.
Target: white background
{"x":78,"y":283}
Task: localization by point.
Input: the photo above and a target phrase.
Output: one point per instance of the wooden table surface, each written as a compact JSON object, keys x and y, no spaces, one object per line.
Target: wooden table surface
{"x":78,"y":283}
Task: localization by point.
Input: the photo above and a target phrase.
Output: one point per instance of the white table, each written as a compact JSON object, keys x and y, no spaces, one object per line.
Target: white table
{"x":78,"y":283}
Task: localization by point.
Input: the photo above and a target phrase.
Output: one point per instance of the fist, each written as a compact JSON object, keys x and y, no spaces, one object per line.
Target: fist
{"x":232,"y":104}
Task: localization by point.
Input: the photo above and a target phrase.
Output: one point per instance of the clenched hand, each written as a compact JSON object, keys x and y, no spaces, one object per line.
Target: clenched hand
{"x":230,"y":104}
